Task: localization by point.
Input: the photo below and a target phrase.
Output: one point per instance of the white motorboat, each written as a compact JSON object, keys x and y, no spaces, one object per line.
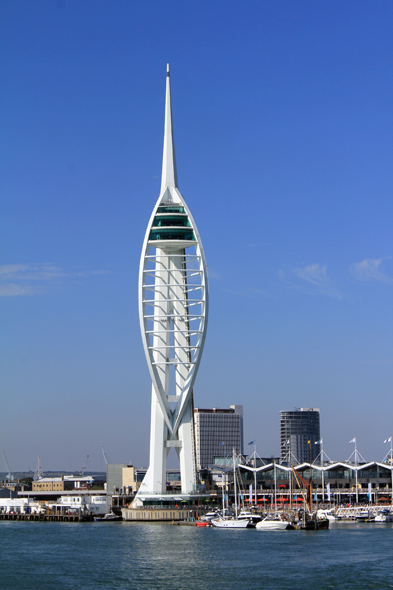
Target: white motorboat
{"x":247,"y":515}
{"x":210,"y":515}
{"x":329,"y":514}
{"x":384,"y":516}
{"x":273,"y":523}
{"x":362,"y":516}
{"x":110,"y":517}
{"x":230,"y":523}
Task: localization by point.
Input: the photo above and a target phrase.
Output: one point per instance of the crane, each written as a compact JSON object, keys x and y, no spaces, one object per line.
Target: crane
{"x":84,"y":466}
{"x":104,"y":455}
{"x":9,"y":477}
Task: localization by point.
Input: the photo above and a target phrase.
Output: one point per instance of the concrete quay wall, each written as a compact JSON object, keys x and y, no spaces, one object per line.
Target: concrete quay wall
{"x":157,"y":514}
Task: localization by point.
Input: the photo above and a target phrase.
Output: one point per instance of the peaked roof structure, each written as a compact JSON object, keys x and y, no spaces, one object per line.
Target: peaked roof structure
{"x":169,"y":171}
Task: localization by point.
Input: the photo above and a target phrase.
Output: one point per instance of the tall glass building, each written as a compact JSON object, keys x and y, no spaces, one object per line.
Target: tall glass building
{"x":217,"y":432}
{"x":297,"y":428}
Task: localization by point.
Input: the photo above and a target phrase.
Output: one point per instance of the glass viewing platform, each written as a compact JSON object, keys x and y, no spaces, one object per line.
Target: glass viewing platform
{"x":171,"y":223}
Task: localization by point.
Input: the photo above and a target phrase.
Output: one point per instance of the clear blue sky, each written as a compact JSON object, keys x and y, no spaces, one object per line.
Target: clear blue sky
{"x":283,"y":130}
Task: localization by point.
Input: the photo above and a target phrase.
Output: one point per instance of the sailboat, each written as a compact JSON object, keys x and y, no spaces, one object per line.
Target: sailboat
{"x":223,"y":522}
{"x":309,"y":520}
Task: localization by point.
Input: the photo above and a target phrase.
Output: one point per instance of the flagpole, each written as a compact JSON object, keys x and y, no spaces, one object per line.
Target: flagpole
{"x":275,"y":487}
{"x":255,"y":475}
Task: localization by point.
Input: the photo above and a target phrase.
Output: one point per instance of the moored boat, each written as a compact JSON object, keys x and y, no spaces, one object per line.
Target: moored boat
{"x":273,"y":523}
{"x":110,"y":517}
{"x":329,"y":514}
{"x":311,"y":522}
{"x":223,"y":522}
{"x":315,"y":525}
{"x":384,"y":516}
{"x":231,"y":523}
{"x":362,"y":516}
{"x":210,"y":515}
{"x":247,"y":515}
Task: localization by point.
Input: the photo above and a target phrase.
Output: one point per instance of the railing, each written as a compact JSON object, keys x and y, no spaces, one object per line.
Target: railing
{"x":355,"y":511}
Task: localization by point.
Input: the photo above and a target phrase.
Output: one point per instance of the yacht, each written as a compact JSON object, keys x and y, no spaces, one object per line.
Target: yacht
{"x":110,"y":517}
{"x":247,"y":515}
{"x":273,"y":523}
{"x":384,"y":516}
{"x":231,"y":523}
{"x":362,"y":516}
{"x":210,"y":515}
{"x":329,"y":514}
{"x":223,"y":522}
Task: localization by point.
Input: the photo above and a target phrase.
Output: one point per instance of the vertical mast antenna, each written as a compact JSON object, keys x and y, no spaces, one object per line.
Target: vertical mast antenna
{"x":169,"y":171}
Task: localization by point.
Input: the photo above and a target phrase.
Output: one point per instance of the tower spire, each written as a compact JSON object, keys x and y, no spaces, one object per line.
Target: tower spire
{"x":169,"y":172}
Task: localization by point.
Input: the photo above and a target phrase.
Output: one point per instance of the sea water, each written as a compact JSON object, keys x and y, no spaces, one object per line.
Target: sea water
{"x":122,"y":555}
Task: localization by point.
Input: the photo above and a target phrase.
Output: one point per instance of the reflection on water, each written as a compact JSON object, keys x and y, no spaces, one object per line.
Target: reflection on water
{"x":141,"y":556}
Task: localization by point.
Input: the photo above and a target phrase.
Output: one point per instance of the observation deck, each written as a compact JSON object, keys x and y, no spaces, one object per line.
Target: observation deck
{"x":171,"y":228}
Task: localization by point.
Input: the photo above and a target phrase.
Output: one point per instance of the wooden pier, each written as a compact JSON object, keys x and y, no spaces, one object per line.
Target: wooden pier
{"x":46,"y":517}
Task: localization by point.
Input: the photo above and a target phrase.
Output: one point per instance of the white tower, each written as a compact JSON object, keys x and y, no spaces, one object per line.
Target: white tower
{"x":173,"y":310}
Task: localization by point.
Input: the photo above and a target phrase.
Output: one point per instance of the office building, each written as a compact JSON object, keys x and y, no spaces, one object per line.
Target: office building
{"x":297,"y":428}
{"x":114,"y":477}
{"x":217,"y":432}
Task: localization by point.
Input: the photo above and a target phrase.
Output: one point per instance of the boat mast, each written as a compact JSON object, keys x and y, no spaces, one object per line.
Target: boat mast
{"x":310,"y":480}
{"x":234,"y":480}
{"x":255,"y":475}
{"x":275,"y":487}
{"x":223,"y":496}
{"x":323,"y":472}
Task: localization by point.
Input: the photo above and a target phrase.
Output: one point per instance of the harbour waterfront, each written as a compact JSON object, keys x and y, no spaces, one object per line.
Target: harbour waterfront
{"x":140,"y":556}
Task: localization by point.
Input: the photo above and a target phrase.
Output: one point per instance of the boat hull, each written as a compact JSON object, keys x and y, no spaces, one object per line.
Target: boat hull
{"x":384,"y":517}
{"x":312,"y":525}
{"x":111,"y":517}
{"x":230,"y":523}
{"x":272,"y":525}
{"x":253,"y":518}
